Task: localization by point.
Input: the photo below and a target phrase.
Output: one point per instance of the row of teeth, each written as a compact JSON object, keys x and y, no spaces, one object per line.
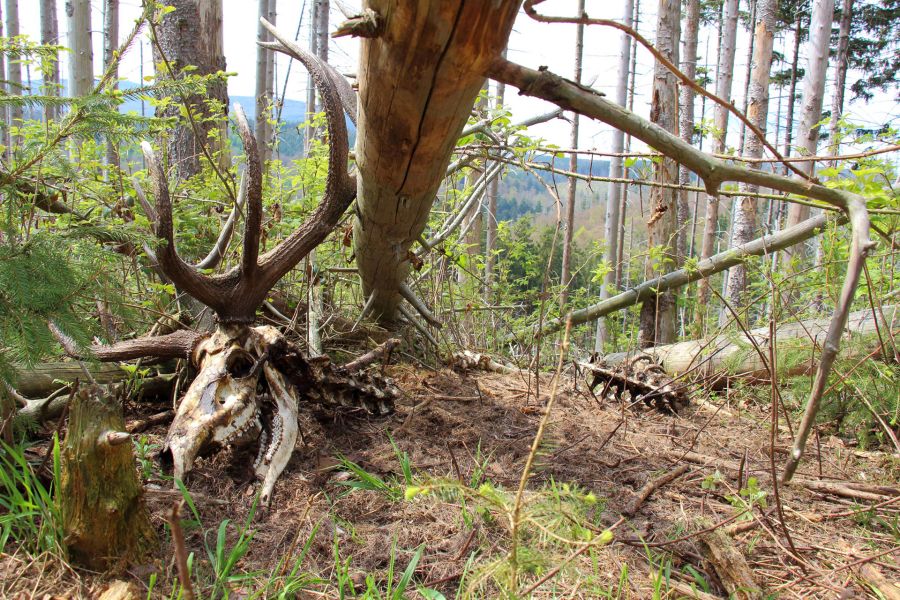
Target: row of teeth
{"x":239,"y":433}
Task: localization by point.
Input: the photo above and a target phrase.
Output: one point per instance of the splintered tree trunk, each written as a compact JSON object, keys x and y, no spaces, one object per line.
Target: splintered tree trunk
{"x":191,"y":35}
{"x":616,"y":170}
{"x":81,"y":58}
{"x":744,"y":221}
{"x":110,"y":45}
{"x":50,"y":68}
{"x":724,"y":80}
{"x":104,"y":518}
{"x":403,"y":146}
{"x":566,"y":276}
{"x":658,"y":313}
{"x":811,"y":113}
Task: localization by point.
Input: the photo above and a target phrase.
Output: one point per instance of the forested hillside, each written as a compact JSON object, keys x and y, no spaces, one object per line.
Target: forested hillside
{"x":445,"y":299}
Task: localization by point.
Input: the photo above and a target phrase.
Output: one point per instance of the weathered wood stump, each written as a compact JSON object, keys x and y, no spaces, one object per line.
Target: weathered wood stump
{"x":105,"y":521}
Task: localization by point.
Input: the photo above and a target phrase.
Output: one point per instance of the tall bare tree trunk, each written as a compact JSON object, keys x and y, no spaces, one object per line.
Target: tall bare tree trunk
{"x":744,"y":221}
{"x":309,"y":133}
{"x":811,"y":113}
{"x":724,"y":79}
{"x":264,"y":58}
{"x":81,"y":59}
{"x":750,"y":50}
{"x":616,"y":170}
{"x":473,"y":224}
{"x":686,"y":119}
{"x":403,"y":147}
{"x":192,"y":35}
{"x":566,"y":276}
{"x":490,"y":240}
{"x":110,"y":45}
{"x":840,"y":77}
{"x":658,"y":313}
{"x":14,"y":70}
{"x":792,"y":92}
{"x":623,"y":200}
{"x":50,"y":68}
{"x":316,"y":309}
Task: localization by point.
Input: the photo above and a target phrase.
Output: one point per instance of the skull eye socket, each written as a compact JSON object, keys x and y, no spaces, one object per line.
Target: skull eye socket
{"x":239,"y":364}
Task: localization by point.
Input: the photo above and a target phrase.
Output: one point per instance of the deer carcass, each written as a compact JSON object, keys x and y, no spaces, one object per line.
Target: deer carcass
{"x":250,"y":380}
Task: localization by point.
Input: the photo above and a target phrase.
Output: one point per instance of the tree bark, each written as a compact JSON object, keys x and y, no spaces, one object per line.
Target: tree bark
{"x":490,"y":238}
{"x":50,"y":69}
{"x":792,"y":93}
{"x":105,"y":521}
{"x":191,"y":35}
{"x":110,"y":45}
{"x":724,"y":80}
{"x":81,"y":58}
{"x":744,"y":220}
{"x":403,"y":147}
{"x":569,"y":227}
{"x":840,"y":76}
{"x":14,"y":70}
{"x":686,"y":119}
{"x":657,"y":325}
{"x":616,"y":169}
{"x":263,"y":86}
{"x":811,"y":113}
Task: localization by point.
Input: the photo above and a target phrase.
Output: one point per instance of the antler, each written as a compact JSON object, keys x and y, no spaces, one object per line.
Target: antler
{"x":236,"y":294}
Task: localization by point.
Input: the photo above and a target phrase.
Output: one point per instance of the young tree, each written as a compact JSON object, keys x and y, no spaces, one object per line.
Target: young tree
{"x":191,"y":35}
{"x":565,"y":277}
{"x":657,"y":324}
{"x":811,"y":112}
{"x":724,"y":79}
{"x":81,"y":59}
{"x":616,"y":170}
{"x":744,"y":222}
{"x":50,"y":69}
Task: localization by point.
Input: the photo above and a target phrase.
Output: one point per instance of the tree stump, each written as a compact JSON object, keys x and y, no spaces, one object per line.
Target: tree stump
{"x":106,"y":523}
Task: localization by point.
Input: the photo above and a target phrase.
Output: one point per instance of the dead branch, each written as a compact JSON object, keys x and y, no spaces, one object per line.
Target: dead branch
{"x":714,"y":172}
{"x":651,"y":486}
{"x":381,"y":353}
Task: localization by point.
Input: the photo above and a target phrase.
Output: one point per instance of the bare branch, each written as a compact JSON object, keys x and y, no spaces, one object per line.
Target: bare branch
{"x":419,"y":305}
{"x":714,"y":172}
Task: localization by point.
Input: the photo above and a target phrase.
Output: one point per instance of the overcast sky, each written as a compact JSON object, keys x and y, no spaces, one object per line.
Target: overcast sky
{"x":532,"y":44}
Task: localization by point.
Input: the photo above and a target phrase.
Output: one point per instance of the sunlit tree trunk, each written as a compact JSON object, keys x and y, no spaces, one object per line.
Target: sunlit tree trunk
{"x":686,"y":119}
{"x":191,"y":35}
{"x":264,"y":81}
{"x":14,"y":69}
{"x":744,"y":221}
{"x":811,"y":112}
{"x":840,"y":77}
{"x":658,"y":313}
{"x":750,"y":50}
{"x":50,"y":69}
{"x":110,"y":45}
{"x":81,"y":57}
{"x":490,"y":240}
{"x":566,"y":276}
{"x":616,"y":170}
{"x":724,"y":79}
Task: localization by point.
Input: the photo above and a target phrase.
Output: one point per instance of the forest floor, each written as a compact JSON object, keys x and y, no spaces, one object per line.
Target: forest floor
{"x":703,"y":534}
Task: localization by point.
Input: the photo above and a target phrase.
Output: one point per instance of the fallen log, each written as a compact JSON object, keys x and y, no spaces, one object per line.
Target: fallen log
{"x":43,"y":379}
{"x":734,"y":354}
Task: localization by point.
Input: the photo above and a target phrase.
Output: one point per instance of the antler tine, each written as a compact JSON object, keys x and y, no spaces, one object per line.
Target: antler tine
{"x":182,"y":275}
{"x":340,"y":186}
{"x":253,"y":222}
{"x":217,"y":253}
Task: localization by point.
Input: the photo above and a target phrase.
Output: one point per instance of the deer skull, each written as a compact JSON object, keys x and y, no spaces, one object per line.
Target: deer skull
{"x":228,"y":404}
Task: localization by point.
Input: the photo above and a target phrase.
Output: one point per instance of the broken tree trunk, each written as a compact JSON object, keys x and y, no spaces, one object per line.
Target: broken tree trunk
{"x":105,"y":521}
{"x":409,"y":125}
{"x":712,"y":358}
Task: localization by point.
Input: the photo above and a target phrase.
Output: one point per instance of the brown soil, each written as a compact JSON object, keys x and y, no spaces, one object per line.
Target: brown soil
{"x":603,"y":447}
